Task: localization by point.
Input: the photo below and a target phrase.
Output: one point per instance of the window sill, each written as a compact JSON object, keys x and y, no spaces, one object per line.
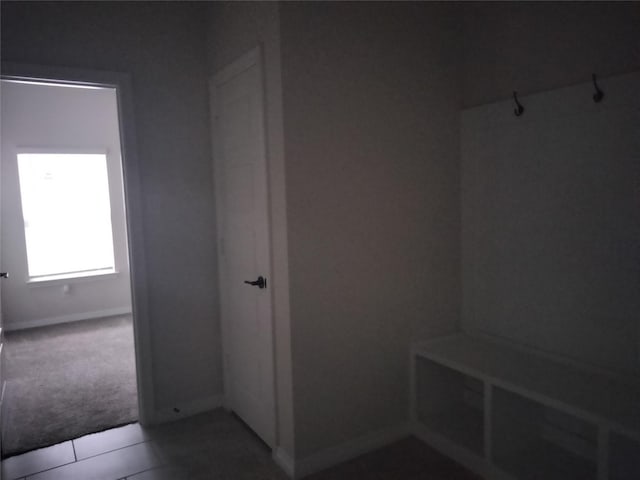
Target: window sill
{"x":72,"y":278}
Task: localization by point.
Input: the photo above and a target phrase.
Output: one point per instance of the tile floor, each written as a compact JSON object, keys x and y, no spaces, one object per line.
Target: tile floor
{"x":210,"y":446}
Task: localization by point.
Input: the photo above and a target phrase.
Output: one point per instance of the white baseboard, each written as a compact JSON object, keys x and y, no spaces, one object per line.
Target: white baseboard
{"x":342,"y":453}
{"x":43,"y":322}
{"x":284,"y":461}
{"x":188,"y":409}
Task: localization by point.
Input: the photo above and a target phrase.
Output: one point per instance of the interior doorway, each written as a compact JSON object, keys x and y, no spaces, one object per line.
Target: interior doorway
{"x":66,"y":247}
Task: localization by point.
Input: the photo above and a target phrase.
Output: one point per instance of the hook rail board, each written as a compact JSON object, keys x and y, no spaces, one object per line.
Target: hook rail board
{"x":550,"y":223}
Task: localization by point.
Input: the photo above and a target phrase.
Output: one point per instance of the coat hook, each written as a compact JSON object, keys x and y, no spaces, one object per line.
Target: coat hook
{"x":597,"y":97}
{"x":520,"y":110}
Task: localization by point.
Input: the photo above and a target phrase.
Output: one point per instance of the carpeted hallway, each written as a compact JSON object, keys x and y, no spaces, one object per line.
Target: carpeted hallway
{"x":64,"y":381}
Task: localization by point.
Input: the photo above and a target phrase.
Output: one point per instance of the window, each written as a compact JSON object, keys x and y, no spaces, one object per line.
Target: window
{"x":67,"y":214}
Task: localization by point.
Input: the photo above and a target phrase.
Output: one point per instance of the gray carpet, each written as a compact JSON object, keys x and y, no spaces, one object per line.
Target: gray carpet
{"x":65,"y":381}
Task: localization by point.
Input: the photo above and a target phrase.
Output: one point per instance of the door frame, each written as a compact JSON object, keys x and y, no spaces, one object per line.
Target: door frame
{"x":121,"y":82}
{"x":251,"y":58}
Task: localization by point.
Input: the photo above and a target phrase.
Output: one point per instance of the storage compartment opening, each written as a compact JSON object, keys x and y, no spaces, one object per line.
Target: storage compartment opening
{"x":450,"y":404}
{"x":533,"y":441}
{"x":624,"y":458}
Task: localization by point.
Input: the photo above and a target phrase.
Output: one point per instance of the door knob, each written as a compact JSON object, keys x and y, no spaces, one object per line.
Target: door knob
{"x":261,"y":282}
{"x":4,"y":274}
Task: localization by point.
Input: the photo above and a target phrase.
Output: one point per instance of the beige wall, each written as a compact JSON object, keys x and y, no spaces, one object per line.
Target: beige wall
{"x":161,"y":45}
{"x":536,"y":46}
{"x":371,"y":98}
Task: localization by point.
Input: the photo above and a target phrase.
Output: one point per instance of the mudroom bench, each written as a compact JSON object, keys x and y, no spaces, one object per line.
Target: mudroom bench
{"x":507,"y":412}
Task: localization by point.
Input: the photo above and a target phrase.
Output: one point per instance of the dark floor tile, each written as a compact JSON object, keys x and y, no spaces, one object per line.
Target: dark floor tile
{"x":116,"y":464}
{"x":407,"y":459}
{"x":112,"y":439}
{"x":37,"y":461}
{"x":215,"y":446}
{"x":162,"y":473}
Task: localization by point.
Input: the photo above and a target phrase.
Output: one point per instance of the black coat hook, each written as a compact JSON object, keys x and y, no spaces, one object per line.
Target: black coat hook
{"x":599,"y":95}
{"x":520,"y":109}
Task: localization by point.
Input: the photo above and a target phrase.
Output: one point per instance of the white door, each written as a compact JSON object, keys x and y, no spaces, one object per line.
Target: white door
{"x":240,"y":174}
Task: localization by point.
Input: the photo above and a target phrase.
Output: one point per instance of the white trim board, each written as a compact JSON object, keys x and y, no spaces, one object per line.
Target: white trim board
{"x":284,"y":461}
{"x":332,"y":456}
{"x":200,"y":405}
{"x":75,"y":317}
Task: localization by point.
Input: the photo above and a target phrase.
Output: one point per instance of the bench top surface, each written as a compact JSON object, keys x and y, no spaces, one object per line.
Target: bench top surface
{"x":588,"y":394}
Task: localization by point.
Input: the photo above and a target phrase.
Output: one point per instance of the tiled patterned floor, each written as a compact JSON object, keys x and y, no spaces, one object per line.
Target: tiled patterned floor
{"x":210,"y":446}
